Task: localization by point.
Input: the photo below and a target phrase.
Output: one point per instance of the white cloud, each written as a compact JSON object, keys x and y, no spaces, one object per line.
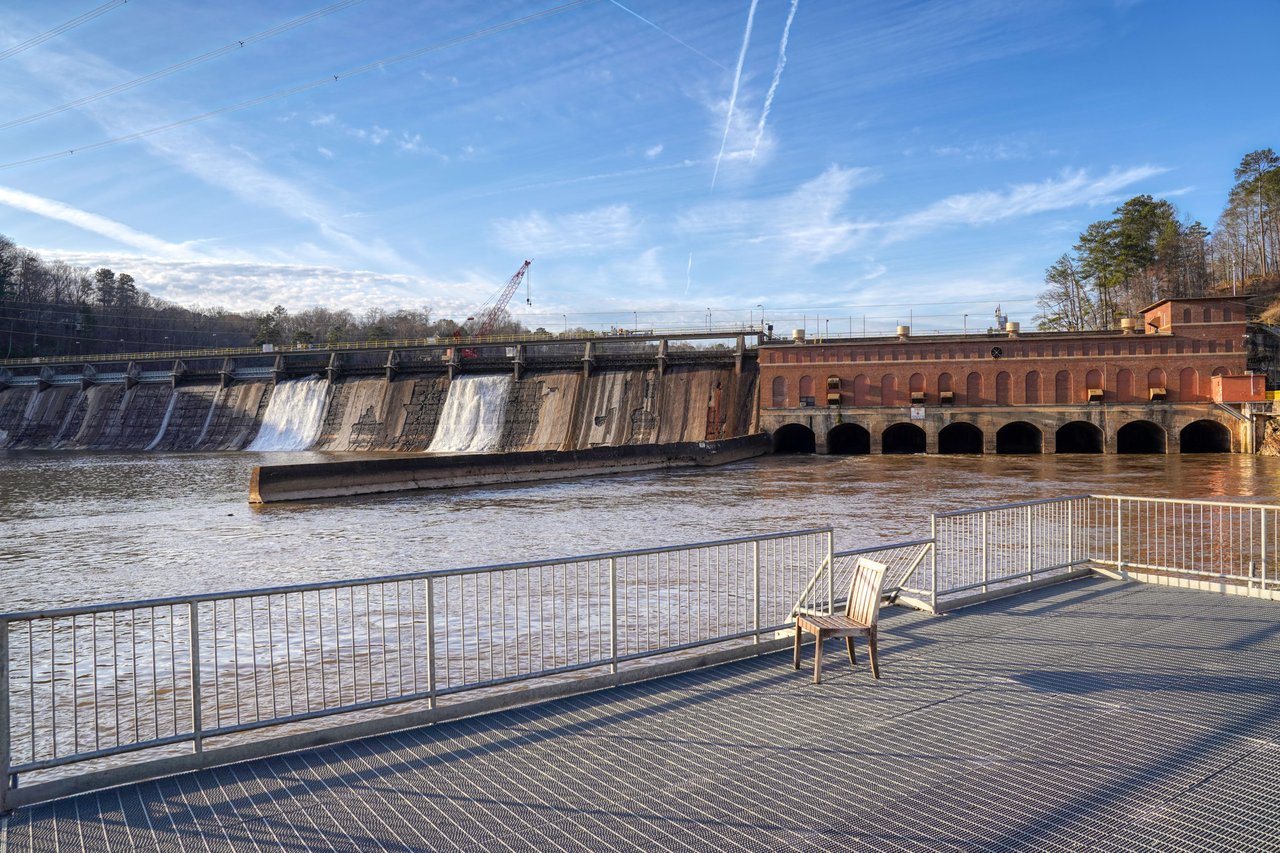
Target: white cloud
{"x":257,"y":285}
{"x":1071,"y":189}
{"x":325,"y":152}
{"x":653,"y":151}
{"x":806,"y":225}
{"x":92,"y":222}
{"x":601,"y":229}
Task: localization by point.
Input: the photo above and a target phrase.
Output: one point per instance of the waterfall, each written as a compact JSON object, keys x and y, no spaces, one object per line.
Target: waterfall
{"x":294,"y":415}
{"x":471,"y":421}
{"x":164,"y":424}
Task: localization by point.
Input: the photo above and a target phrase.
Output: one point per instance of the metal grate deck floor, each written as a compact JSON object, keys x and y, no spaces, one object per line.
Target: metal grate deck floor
{"x":1093,"y":715}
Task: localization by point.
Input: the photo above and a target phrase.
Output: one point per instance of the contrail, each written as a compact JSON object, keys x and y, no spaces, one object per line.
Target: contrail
{"x":777,"y":77}
{"x":667,"y":34}
{"x":688,"y":275}
{"x":733,"y":94}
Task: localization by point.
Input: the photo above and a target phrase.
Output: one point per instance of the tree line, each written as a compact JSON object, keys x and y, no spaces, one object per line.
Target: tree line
{"x":51,"y":308}
{"x":1146,"y":252}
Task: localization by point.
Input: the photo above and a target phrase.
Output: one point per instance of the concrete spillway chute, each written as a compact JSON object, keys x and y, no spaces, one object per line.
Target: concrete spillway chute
{"x":88,"y":378}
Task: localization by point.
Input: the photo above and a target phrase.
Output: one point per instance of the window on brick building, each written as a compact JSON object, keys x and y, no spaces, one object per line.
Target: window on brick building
{"x":1213,"y":346}
{"x":1124,"y":386}
{"x":1156,"y":379}
{"x":806,"y":391}
{"x":1093,"y":381}
{"x":779,"y":391}
{"x":1226,"y":315}
{"x":1032,"y":392}
{"x":1208,"y":315}
{"x":944,"y":383}
{"x":1186,"y":315}
{"x":1062,"y":387}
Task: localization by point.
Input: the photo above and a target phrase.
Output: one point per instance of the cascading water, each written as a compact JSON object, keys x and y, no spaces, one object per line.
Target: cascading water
{"x":294,"y":415}
{"x":471,"y":421}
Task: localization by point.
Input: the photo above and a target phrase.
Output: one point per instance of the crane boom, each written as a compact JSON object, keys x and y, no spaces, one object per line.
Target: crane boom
{"x":489,"y":313}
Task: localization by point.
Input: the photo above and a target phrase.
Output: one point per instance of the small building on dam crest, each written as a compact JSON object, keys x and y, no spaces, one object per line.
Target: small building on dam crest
{"x":1161,"y":384}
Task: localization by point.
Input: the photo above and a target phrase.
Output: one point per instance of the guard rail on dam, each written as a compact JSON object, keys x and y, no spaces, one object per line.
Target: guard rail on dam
{"x":547,"y":394}
{"x":100,"y":695}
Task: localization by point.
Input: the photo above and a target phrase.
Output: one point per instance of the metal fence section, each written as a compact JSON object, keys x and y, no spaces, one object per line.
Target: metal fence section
{"x":988,"y":551}
{"x":1218,"y":539}
{"x":88,"y":683}
{"x":827,"y":590}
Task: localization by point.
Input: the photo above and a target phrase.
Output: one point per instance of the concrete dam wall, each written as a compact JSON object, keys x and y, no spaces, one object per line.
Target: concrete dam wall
{"x":542,"y":410}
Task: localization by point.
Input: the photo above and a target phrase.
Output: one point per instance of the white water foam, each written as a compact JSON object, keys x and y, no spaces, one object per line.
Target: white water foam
{"x":164,"y":424}
{"x":471,"y":421}
{"x":294,"y":415}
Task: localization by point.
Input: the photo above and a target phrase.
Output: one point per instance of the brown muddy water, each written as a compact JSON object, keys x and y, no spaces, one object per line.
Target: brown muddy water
{"x":81,"y":528}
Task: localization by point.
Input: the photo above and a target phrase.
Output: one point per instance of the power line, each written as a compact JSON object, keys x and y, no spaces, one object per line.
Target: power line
{"x":61,"y":28}
{"x":185,"y":64}
{"x":284,"y":93}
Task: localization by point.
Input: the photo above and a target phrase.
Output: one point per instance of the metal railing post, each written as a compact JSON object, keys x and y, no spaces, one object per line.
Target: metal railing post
{"x":197,"y":710}
{"x":831,"y":572}
{"x":1071,"y":534}
{"x":985,"y":557}
{"x":755,"y":590}
{"x":933,"y":559}
{"x":5,"y":743}
{"x":1031,"y":544}
{"x":1263,"y":561}
{"x":613,"y":615}
{"x":431,"y":643}
{"x":1119,"y":535}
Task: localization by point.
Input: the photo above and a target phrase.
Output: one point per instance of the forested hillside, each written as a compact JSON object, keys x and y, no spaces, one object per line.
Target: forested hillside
{"x":1147,"y":252}
{"x":52,"y":308}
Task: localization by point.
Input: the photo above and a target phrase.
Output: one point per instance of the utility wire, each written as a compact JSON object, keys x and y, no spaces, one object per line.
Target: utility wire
{"x":284,"y":93}
{"x":61,"y":28}
{"x":185,"y":64}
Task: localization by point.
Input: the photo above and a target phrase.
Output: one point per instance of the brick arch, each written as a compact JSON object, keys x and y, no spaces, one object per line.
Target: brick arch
{"x":945,"y":383}
{"x":973,"y":389}
{"x":1031,"y":390}
{"x":779,"y":391}
{"x":888,"y":390}
{"x":1062,"y":387}
{"x":1156,"y":378}
{"x":1003,"y":380}
{"x":806,"y":387}
{"x":1124,"y":385}
{"x":1189,"y":384}
{"x":861,"y":390}
{"x":917,"y":383}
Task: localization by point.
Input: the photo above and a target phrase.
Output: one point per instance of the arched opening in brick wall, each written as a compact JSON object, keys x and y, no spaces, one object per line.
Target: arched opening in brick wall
{"x":794,"y":438}
{"x":960,"y":438}
{"x":1189,"y":384}
{"x":1093,"y":379}
{"x":861,"y":390}
{"x":1140,"y":437}
{"x":917,"y":383}
{"x":889,"y":390}
{"x":1156,"y":379}
{"x":1078,"y":437}
{"x":944,"y":383}
{"x":973,"y":389}
{"x":1205,"y":437}
{"x":1124,"y":386}
{"x":1019,"y":437}
{"x":1219,"y":371}
{"x":1186,"y":315}
{"x":902,"y":438}
{"x":1062,"y":387}
{"x":779,"y":392}
{"x":1002,"y":388}
{"x":1032,"y":391}
{"x":806,"y":391}
{"x":848,"y":440}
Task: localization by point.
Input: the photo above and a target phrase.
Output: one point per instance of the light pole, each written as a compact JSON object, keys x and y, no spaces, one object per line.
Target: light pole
{"x":708,"y":319}
{"x":635,"y":315}
{"x":565,"y":317}
{"x":966,"y":324}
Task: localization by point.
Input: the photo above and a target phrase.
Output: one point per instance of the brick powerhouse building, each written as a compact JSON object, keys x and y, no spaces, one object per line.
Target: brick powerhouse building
{"x":1142,"y":389}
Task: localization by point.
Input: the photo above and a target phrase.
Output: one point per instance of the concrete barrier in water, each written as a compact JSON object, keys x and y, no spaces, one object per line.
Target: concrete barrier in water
{"x":275,"y":483}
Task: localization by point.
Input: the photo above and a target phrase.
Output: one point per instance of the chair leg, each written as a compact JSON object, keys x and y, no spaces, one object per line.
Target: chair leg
{"x":817,"y":659}
{"x":871,"y":652}
{"x":848,"y":641}
{"x":799,"y":634}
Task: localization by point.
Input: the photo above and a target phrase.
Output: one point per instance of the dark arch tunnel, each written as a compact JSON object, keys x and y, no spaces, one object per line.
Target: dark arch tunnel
{"x":1205,"y":437}
{"x":901,"y":439}
{"x":848,"y":440}
{"x":960,"y":438}
{"x":794,"y":438}
{"x":1079,"y":437}
{"x":1019,"y":437}
{"x":1140,"y":437}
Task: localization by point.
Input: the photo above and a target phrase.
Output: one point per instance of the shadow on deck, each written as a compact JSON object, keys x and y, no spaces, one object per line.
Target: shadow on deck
{"x":1098,"y":714}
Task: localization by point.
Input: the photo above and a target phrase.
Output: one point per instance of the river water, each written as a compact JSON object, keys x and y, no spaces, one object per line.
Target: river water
{"x":81,"y":528}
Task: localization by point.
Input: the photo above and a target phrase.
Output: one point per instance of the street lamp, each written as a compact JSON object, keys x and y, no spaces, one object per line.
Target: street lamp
{"x":708,"y":319}
{"x":966,"y":324}
{"x":635,"y":315}
{"x":565,"y":317}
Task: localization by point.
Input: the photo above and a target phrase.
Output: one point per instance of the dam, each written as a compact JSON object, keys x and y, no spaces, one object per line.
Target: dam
{"x":532,"y":396}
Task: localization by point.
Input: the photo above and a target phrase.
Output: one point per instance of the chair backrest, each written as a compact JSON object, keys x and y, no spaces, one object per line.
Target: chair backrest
{"x":864,"y":591}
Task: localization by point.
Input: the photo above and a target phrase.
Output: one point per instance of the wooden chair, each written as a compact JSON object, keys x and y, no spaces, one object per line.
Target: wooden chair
{"x":859,"y":618}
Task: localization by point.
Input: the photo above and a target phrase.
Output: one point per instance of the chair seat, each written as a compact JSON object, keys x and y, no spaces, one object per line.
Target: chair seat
{"x":828,"y":624}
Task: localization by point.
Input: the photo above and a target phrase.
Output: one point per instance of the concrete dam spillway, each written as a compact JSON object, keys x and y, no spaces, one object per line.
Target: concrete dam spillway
{"x":470,"y":413}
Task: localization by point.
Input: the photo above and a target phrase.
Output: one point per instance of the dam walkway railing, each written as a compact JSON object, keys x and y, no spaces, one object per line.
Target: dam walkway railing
{"x":101,"y":695}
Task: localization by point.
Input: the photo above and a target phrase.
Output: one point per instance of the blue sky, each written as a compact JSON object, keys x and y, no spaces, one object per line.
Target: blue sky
{"x":657,"y":160}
